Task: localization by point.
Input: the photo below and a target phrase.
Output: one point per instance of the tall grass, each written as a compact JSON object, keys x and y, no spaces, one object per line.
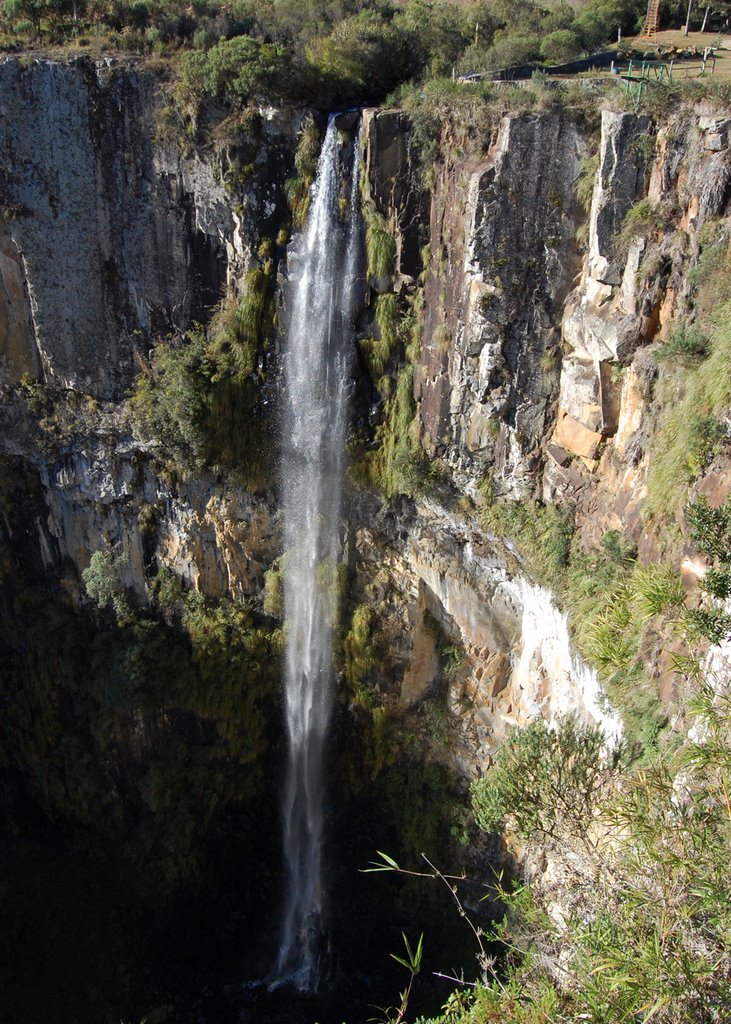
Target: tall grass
{"x":297,"y":189}
{"x":380,"y":244}
{"x":690,"y":433}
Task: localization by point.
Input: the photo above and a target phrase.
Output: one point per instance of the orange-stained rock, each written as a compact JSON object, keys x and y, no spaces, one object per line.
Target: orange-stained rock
{"x":575,"y":437}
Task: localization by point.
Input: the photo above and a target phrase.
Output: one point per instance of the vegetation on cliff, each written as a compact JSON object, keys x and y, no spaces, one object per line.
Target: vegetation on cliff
{"x":201,"y":399}
{"x":149,"y":732}
{"x":643,"y":930}
{"x":329,"y":54}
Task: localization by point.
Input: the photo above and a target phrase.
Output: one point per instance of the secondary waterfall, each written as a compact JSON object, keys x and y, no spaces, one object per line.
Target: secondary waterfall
{"x":546,"y":646}
{"x":316,"y":376}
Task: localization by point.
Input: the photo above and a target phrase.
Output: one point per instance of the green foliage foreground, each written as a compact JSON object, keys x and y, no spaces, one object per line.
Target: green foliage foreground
{"x":644,"y":931}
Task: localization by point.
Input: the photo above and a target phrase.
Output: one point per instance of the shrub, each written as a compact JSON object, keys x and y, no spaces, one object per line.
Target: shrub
{"x":710,"y":529}
{"x":685,"y":345}
{"x":508,"y":49}
{"x":717,"y":583}
{"x":363,"y":58}
{"x":201,"y":401}
{"x":103,"y":582}
{"x":711,"y":624}
{"x":235,"y":70}
{"x":167,"y":403}
{"x":546,"y":783}
{"x":560,"y":46}
{"x":440,"y":32}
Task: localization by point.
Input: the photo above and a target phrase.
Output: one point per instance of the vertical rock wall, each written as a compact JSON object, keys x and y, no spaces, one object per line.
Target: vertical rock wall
{"x":531,"y":371}
{"x":114,"y":234}
{"x":535,"y":370}
{"x":503,"y":259}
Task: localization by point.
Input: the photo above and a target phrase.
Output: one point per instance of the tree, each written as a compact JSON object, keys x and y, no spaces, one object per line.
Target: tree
{"x":364,"y":57}
{"x":561,"y":45}
{"x":103,"y":581}
{"x":32,"y":10}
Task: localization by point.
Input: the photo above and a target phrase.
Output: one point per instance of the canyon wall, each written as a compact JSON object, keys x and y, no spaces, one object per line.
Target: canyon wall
{"x":532,"y":377}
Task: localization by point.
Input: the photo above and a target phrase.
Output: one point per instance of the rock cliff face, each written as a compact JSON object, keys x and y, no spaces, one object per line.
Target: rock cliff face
{"x":534,"y":373}
{"x":109,"y":235}
{"x":502,"y":262}
{"x":531,"y":375}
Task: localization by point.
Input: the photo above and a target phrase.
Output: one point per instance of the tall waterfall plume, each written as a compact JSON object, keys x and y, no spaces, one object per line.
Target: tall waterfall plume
{"x":324,"y":290}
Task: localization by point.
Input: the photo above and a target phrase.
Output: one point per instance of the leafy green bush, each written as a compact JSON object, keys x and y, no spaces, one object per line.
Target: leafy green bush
{"x":363,"y":58}
{"x":546,"y":783}
{"x":685,"y":345}
{"x":560,"y":46}
{"x":168,"y":400}
{"x":200,"y":401}
{"x":711,"y":624}
{"x":440,"y":31}
{"x":508,"y":49}
{"x":235,"y":70}
{"x":102,"y":580}
{"x":710,"y":529}
{"x":466,"y":111}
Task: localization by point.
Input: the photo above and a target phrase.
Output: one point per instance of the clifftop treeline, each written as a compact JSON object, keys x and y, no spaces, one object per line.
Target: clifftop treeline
{"x":323,"y":52}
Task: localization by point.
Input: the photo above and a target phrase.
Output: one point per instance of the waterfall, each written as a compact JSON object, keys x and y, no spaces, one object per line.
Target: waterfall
{"x":316,"y":378}
{"x":546,"y":651}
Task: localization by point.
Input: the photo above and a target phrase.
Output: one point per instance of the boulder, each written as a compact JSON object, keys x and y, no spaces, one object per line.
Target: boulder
{"x":575,"y":437}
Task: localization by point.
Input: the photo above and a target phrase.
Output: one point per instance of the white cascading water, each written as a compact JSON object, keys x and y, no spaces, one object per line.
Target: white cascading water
{"x":323,"y":292}
{"x":546,"y":643}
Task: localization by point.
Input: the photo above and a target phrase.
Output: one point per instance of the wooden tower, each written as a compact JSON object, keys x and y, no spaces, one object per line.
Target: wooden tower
{"x":652,"y":18}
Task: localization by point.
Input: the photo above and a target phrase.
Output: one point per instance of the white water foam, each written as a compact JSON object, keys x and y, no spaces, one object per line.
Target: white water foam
{"x":316,"y":384}
{"x":546,"y":659}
